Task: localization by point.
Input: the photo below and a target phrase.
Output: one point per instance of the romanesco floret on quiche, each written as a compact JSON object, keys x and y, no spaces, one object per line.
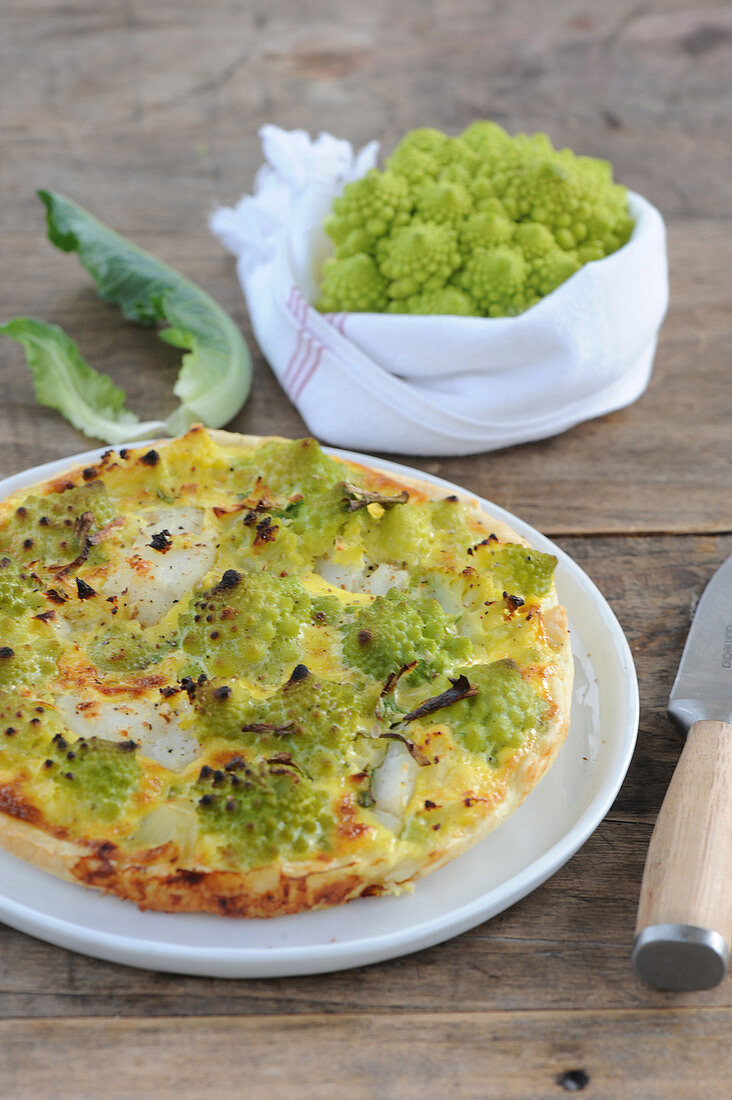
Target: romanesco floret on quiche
{"x":481,"y":225}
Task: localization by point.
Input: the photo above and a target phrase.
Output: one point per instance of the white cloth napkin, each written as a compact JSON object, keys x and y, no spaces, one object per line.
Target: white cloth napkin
{"x":434,"y":385}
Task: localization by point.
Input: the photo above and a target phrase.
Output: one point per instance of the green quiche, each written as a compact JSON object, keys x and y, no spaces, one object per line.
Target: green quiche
{"x":240,"y":676}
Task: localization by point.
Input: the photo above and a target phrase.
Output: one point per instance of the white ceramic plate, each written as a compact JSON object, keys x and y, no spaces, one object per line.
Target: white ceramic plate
{"x":553,"y":822}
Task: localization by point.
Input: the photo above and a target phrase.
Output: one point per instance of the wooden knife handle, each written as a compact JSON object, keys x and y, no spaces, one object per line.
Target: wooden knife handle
{"x":684,"y":925}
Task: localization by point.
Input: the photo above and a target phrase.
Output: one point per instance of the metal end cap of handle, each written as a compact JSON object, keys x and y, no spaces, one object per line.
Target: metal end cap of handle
{"x":680,"y":956}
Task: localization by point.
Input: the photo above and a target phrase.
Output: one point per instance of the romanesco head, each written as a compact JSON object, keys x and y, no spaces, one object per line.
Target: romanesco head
{"x":483,"y":223}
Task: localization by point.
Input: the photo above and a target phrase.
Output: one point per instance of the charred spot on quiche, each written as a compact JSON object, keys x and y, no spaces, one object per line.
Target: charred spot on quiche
{"x":245,"y":677}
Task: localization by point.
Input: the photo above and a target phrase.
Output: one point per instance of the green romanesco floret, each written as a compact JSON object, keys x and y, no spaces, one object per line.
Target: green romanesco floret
{"x":353,"y":284}
{"x":496,"y":280}
{"x":261,"y":810}
{"x":313,"y":720}
{"x":279,"y":468}
{"x":96,"y":777}
{"x":427,"y":146}
{"x":546,"y":273}
{"x":484,"y":196}
{"x":449,"y":299}
{"x":503,"y":713}
{"x":534,"y":240}
{"x":459,"y":160}
{"x":500,"y":220}
{"x":298,"y":493}
{"x":19,"y":590}
{"x":485,"y":229}
{"x":326,"y":609}
{"x":548,"y":265}
{"x":122,"y":650}
{"x":443,"y":202}
{"x":29,"y":652}
{"x":518,"y":570}
{"x":490,"y":141}
{"x":246,"y":625}
{"x":45,"y":527}
{"x":421,"y":256}
{"x":413,"y":164}
{"x":426,"y":138}
{"x":457,"y":173}
{"x":419,"y":155}
{"x":395,"y":630}
{"x":576,"y":202}
{"x":369,"y":207}
{"x":32,"y":726}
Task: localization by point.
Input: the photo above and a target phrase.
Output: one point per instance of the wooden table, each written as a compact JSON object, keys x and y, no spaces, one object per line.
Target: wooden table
{"x":147,"y":113}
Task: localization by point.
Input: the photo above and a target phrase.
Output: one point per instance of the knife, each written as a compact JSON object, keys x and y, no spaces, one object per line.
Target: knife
{"x":684,"y":926}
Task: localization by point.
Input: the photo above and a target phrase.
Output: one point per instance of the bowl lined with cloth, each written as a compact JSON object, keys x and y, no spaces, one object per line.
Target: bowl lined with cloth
{"x":440,"y":384}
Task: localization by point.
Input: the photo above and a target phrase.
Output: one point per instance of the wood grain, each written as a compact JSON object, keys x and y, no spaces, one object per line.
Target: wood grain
{"x":147,"y":113}
{"x":482,"y":1056}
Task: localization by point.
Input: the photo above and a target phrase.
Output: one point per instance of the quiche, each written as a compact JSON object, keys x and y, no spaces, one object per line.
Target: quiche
{"x":243,"y":677}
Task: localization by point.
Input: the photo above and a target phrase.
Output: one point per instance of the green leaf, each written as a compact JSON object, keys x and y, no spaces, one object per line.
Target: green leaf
{"x":64,"y":381}
{"x":215,"y":375}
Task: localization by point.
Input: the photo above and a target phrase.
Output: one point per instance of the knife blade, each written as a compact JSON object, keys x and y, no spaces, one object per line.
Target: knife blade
{"x":684,"y":925}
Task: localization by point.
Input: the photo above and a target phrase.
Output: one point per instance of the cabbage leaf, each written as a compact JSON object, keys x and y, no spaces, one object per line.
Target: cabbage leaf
{"x":64,"y":381}
{"x":215,"y":375}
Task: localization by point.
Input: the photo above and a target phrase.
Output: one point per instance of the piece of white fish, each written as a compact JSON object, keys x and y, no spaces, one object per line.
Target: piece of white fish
{"x":372,"y":578}
{"x":154,"y":726}
{"x":393,"y":782}
{"x":149,"y":581}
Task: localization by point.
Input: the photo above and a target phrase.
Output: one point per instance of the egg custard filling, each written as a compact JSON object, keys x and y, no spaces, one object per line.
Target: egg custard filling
{"x":241,"y":676}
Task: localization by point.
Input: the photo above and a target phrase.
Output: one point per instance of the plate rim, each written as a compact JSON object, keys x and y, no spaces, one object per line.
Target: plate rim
{"x":292,"y":959}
